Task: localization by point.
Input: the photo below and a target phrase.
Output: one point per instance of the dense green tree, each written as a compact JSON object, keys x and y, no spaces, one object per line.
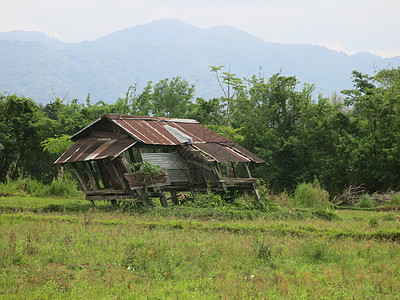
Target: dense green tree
{"x":172,"y":97}
{"x":301,"y":138}
{"x":374,"y":148}
{"x":233,"y":89}
{"x":207,"y":112}
{"x":20,"y":136}
{"x":270,"y":117}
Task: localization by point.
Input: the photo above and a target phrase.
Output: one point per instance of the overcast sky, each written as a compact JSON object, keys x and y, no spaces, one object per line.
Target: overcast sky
{"x":346,"y":25}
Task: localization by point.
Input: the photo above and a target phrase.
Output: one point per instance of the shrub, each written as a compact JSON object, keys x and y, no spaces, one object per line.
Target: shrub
{"x":208,"y":199}
{"x":58,"y":188}
{"x":318,"y":252}
{"x":395,"y":199}
{"x":311,"y":195}
{"x":325,"y":215}
{"x":37,"y":189}
{"x":366,"y":201}
{"x":63,"y":188}
{"x":11,"y":187}
{"x":390,"y":217}
{"x":373,"y":222}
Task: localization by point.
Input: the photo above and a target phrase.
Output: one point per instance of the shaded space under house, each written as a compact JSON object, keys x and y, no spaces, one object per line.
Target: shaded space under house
{"x":192,"y":158}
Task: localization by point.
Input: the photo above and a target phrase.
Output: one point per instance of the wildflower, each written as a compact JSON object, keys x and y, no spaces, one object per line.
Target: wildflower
{"x":251,"y":276}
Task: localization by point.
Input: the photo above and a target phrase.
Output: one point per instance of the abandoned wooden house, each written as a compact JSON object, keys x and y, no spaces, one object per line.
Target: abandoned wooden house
{"x":108,"y":154}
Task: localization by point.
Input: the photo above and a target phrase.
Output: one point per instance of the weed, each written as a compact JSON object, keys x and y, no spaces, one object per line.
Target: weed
{"x":366,"y":201}
{"x":395,"y":199}
{"x":373,"y":222}
{"x":391,"y":216}
{"x":11,"y":187}
{"x":63,"y":188}
{"x":318,"y":252}
{"x":132,"y":259}
{"x":311,"y":195}
{"x":195,"y":253}
{"x":58,"y":188}
{"x":208,"y":200}
{"x":326,"y":215}
{"x":267,"y":251}
{"x":87,"y":218}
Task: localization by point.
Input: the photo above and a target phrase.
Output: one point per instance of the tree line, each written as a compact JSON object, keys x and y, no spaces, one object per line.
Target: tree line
{"x":352,"y":138}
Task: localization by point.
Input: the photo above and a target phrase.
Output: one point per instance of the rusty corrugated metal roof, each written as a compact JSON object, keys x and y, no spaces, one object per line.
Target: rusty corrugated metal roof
{"x":87,"y":149}
{"x":221,"y":153}
{"x":172,"y":132}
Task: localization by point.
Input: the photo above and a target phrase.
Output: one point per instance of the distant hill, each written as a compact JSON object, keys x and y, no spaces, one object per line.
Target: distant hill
{"x":36,"y":66}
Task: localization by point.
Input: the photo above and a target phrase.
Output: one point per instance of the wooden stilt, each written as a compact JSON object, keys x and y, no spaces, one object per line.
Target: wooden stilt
{"x":254,"y":186}
{"x":120,"y":179}
{"x":174,"y":197}
{"x":194,"y":195}
{"x":92,"y":176}
{"x":81,"y":180}
{"x":217,"y":171}
{"x":163,"y":200}
{"x":234,"y":170}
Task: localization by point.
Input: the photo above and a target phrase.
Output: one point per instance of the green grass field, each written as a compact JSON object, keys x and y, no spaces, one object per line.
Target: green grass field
{"x":63,"y":248}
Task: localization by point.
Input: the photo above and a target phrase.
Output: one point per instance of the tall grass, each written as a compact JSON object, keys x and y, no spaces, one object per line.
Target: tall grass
{"x":100,"y":255}
{"x":58,"y":188}
{"x":311,"y":195}
{"x":11,"y":187}
{"x":394,"y":199}
{"x":365,"y":201}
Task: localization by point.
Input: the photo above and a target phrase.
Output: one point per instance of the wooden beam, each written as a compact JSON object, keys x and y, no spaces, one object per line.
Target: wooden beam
{"x":254,"y":186}
{"x":174,"y":197}
{"x":92,"y":169}
{"x":163,"y":200}
{"x":121,"y":180}
{"x":106,"y":191}
{"x":194,"y":195}
{"x":92,"y":176}
{"x":248,"y":170}
{"x":234,"y":169}
{"x":131,"y":156}
{"x":217,"y":171}
{"x":104,"y":176}
{"x":199,"y":164}
{"x":81,"y":180}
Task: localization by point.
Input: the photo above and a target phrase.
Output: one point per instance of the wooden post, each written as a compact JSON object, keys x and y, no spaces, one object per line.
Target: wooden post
{"x":92,"y":175}
{"x":163,"y":200}
{"x":81,"y":180}
{"x":131,"y":156}
{"x":92,"y":170}
{"x":248,"y":170}
{"x":194,"y":195}
{"x":254,"y":186}
{"x":174,"y":197}
{"x":143,"y":197}
{"x":234,"y":169}
{"x":217,"y":171}
{"x":121,"y":181}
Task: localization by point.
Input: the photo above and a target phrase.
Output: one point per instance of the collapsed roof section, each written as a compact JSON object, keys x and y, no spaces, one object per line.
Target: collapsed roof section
{"x":97,"y":141}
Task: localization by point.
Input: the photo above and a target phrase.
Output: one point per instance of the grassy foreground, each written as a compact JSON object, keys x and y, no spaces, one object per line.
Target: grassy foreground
{"x":62,"y":249}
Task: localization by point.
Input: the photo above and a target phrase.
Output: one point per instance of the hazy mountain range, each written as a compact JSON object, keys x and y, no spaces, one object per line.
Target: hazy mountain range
{"x":37,"y":66}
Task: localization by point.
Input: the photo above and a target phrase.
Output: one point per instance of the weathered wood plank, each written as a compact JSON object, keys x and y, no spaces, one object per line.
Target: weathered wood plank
{"x":81,"y":180}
